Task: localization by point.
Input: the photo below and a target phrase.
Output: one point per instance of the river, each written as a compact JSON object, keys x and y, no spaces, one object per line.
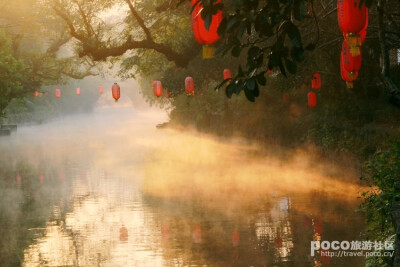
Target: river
{"x":110,"y":189}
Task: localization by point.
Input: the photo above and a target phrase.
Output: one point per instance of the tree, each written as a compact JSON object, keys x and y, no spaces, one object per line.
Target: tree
{"x":98,"y":42}
{"x":34,"y":39}
{"x":12,"y":72}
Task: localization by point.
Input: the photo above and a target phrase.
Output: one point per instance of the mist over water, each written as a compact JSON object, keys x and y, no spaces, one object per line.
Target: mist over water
{"x":110,"y":189}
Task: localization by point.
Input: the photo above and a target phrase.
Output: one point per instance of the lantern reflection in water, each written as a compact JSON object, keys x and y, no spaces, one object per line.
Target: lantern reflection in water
{"x":123,"y":234}
{"x":235,"y":238}
{"x":165,"y":232}
{"x":197,"y":234}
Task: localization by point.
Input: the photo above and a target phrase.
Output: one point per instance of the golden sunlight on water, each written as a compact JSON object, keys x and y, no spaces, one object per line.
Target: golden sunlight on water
{"x":109,"y":189}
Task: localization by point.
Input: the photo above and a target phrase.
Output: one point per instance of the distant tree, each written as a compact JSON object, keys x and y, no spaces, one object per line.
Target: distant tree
{"x":12,"y":72}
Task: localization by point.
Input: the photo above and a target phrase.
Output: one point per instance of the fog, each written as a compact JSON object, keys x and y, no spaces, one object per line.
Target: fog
{"x":112,"y":169}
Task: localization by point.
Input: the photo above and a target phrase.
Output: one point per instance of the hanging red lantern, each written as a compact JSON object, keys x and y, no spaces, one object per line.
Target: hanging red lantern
{"x":351,"y":64}
{"x":269,"y":71}
{"x":18,"y":178}
{"x":36,"y":94}
{"x":101,"y":89}
{"x":363,"y":32}
{"x":227,"y":74}
{"x":41,"y":178}
{"x":116,"y":92}
{"x":58,"y":93}
{"x":312,"y":99}
{"x":200,"y":33}
{"x":303,"y":86}
{"x":352,"y":20}
{"x":78,"y":91}
{"x":346,"y":76}
{"x":189,"y":85}
{"x":167,"y":94}
{"x":316,"y":81}
{"x":157,"y":87}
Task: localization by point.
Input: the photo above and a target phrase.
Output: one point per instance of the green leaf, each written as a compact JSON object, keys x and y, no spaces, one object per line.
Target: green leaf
{"x":241,"y":30}
{"x":249,"y":94}
{"x":251,"y":83}
{"x":281,"y":67}
{"x":261,"y":79}
{"x":231,"y":23}
{"x":294,"y":34}
{"x":239,"y":87}
{"x":222,"y":27}
{"x":290,"y":66}
{"x":230,"y":89}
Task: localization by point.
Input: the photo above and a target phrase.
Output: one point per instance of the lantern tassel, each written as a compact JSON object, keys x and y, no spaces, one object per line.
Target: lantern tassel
{"x":349,"y":85}
{"x":208,"y":51}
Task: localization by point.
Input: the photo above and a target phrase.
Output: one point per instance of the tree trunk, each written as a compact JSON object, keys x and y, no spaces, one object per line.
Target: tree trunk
{"x":396,"y":224}
{"x":385,"y":74}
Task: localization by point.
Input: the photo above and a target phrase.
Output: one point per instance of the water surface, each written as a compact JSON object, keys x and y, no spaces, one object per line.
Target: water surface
{"x":109,"y":189}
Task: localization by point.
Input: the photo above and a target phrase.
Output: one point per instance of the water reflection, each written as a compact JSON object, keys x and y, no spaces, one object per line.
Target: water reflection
{"x":96,"y":191}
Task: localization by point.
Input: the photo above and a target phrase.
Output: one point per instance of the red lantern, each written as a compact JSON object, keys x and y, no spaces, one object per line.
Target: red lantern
{"x":18,"y":179}
{"x":352,"y":20}
{"x":285,"y":97}
{"x":167,"y":94}
{"x":165,"y":232}
{"x":278,"y":242}
{"x":189,"y":85}
{"x":123,"y":234}
{"x":316,"y":81}
{"x":197,"y":234}
{"x":36,"y":94}
{"x":58,"y":93}
{"x":101,"y":90}
{"x":227,"y":74}
{"x":363,"y":32}
{"x":78,"y":91}
{"x":318,"y":226}
{"x":270,"y":71}
{"x":201,"y":34}
{"x":157,"y":87}
{"x":41,"y":178}
{"x":312,"y":99}
{"x":116,"y":92}
{"x":351,"y":64}
{"x":235,"y":238}
{"x":303,"y":86}
{"x":346,"y":76}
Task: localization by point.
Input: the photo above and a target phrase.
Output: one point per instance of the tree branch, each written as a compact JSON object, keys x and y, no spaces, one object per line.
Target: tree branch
{"x":139,"y":20}
{"x":99,"y":51}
